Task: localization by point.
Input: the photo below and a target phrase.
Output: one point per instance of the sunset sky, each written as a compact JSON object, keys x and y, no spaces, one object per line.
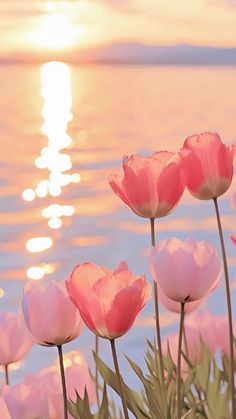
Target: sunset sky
{"x":28,"y":25}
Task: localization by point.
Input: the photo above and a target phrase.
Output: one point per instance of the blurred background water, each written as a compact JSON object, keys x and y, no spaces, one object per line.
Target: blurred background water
{"x":63,"y":130}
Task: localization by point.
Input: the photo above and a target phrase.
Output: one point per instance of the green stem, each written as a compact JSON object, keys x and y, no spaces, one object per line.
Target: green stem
{"x":157,"y":317}
{"x":121,"y":388}
{"x":6,"y":375}
{"x":96,"y":369}
{"x":179,"y":395}
{"x":229,"y":307}
{"x":63,"y":380}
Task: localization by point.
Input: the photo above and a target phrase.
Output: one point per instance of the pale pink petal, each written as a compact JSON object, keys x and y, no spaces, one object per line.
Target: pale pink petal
{"x":4,"y":410}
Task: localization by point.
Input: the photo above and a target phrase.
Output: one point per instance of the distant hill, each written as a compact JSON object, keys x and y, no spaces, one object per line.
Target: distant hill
{"x":149,"y":54}
{"x":135,"y":53}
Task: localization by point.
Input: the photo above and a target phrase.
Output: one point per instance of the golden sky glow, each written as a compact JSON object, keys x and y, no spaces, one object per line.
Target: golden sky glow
{"x":27,"y":25}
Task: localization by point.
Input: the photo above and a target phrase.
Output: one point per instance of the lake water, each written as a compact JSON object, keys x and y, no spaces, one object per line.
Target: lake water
{"x":63,"y":130}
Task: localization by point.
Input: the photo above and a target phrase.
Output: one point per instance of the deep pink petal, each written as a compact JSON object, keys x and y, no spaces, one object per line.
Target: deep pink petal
{"x":125,"y":307}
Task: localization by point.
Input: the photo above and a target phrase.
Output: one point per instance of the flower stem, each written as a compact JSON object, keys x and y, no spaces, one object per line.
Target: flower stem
{"x":179,"y":395}
{"x":185,"y":341}
{"x":121,"y":388}
{"x":157,"y":318}
{"x":229,"y":307}
{"x":96,"y":369}
{"x":63,"y":380}
{"x":6,"y":375}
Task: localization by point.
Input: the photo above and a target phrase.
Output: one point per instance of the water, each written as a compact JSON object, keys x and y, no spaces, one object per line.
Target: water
{"x":63,"y":130}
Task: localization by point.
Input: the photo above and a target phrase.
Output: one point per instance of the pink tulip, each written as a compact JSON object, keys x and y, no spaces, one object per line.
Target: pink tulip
{"x":48,"y":382}
{"x":205,"y":324}
{"x":193,"y":350}
{"x":171,"y":343}
{"x":208,"y":165}
{"x":15,"y":343}
{"x":222,"y":333}
{"x":77,"y":379}
{"x":201,"y":326}
{"x":26,"y":401}
{"x":194,"y":334}
{"x":185,"y":270}
{"x":108,"y":301}
{"x":49,"y":314}
{"x":213,"y":329}
{"x":151,"y":186}
{"x":40,"y":395}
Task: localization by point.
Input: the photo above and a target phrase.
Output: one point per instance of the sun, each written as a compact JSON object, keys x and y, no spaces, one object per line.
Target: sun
{"x":57,"y":31}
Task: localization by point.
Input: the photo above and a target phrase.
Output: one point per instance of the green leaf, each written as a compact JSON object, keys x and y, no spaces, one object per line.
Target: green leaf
{"x":72,"y":408}
{"x":203,"y":369}
{"x":153,"y":391}
{"x":134,"y":401}
{"x":104,"y":409}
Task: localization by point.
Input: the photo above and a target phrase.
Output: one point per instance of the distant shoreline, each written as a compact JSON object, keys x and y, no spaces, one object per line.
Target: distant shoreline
{"x":115,"y":64}
{"x":125,"y":54}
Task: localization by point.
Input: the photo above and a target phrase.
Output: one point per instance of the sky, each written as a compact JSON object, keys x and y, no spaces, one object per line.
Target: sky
{"x":31,"y":25}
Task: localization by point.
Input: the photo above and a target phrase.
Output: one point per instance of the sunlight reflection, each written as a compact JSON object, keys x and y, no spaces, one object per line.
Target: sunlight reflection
{"x":55,"y":222}
{"x":38,"y":272}
{"x":56,"y":92}
{"x":48,"y":268}
{"x":56,"y":210}
{"x":28,"y":195}
{"x":2,"y":293}
{"x":56,"y":112}
{"x":35,"y":272}
{"x":73,"y":357}
{"x":38,"y":244}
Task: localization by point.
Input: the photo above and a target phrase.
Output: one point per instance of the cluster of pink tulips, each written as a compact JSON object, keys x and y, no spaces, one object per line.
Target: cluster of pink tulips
{"x":108,"y":301}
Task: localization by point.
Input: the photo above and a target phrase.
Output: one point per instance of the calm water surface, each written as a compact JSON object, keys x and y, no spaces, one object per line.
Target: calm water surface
{"x":63,"y":130}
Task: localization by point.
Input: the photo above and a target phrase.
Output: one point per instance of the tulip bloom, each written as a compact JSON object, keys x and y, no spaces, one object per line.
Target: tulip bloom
{"x":26,"y":401}
{"x":185,"y":270}
{"x":108,"y":301}
{"x":208,"y":165}
{"x":15,"y":343}
{"x":40,"y":395}
{"x":192,"y":346}
{"x":77,"y":377}
{"x":193,"y":350}
{"x":222,"y":332}
{"x":52,"y":319}
{"x":151,"y":186}
{"x":49,"y":314}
